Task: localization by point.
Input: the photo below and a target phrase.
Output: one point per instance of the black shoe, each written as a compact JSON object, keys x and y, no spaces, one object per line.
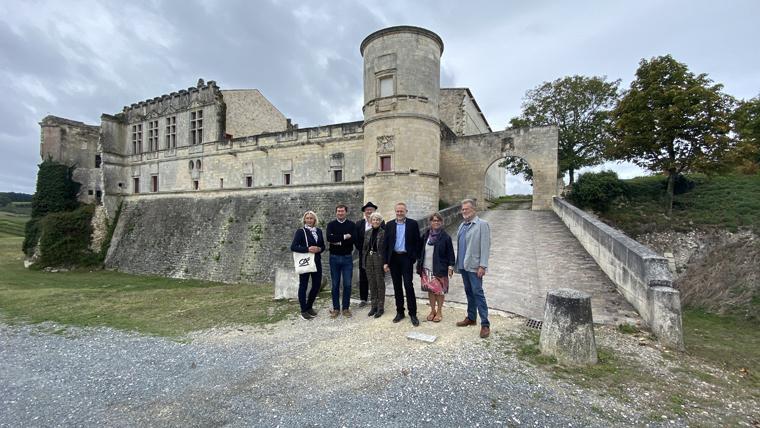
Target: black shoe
{"x":379,"y":313}
{"x":399,"y":317}
{"x":372,"y":312}
{"x":312,"y":312}
{"x":306,"y":316}
{"x":363,"y":303}
{"x":415,"y":321}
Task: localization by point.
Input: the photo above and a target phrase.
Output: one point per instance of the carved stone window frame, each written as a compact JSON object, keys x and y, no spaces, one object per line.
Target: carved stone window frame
{"x":384,"y":75}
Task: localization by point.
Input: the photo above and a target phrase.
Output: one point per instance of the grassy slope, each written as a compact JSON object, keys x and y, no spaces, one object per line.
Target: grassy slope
{"x":728,"y":202}
{"x":150,"y":305}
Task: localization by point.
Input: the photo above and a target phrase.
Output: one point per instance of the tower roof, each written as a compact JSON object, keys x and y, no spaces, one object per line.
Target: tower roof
{"x":400,"y":29}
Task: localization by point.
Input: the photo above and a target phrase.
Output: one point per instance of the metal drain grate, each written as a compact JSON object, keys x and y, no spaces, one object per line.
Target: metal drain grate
{"x":534,"y":324}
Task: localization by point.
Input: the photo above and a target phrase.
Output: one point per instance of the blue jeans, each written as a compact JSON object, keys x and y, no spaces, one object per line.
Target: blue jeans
{"x":476,"y":298}
{"x":341,"y":266}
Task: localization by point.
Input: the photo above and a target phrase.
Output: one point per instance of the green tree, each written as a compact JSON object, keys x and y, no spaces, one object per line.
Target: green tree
{"x":580,"y":107}
{"x":672,"y":121}
{"x":747,"y":128}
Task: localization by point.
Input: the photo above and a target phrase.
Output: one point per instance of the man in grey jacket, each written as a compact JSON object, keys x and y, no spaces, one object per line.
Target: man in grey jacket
{"x":473,"y":247}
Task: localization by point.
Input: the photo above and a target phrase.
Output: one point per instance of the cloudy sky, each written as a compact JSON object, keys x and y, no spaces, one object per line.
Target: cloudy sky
{"x":78,"y":59}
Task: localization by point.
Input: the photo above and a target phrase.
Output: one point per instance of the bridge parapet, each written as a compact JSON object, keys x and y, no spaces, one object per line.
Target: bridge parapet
{"x":641,"y":276}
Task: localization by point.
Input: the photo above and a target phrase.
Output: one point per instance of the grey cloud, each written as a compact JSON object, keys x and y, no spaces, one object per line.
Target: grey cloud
{"x":95,"y":57}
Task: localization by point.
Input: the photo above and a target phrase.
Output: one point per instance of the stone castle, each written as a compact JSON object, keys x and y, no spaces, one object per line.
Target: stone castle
{"x":210,"y":175}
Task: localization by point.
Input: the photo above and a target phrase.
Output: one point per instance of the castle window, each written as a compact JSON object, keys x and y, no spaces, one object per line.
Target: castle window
{"x":154,"y":183}
{"x":385,"y":86}
{"x":221,"y":183}
{"x":196,"y":127}
{"x":90,"y":192}
{"x":153,"y":135}
{"x":137,"y":139}
{"x":97,"y":161}
{"x":191,"y":165}
{"x":286,"y":178}
{"x":248,"y":181}
{"x":136,"y":185}
{"x":198,"y":164}
{"x":338,"y":175}
{"x":171,"y":132}
{"x":98,"y":196}
{"x":195,"y":185}
{"x":385,"y":163}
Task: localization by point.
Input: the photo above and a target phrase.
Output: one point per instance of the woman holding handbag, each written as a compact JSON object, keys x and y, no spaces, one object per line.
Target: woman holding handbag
{"x":309,"y":239}
{"x":436,"y":265}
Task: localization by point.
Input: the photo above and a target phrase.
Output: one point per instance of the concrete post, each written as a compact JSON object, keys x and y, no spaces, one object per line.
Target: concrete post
{"x":568,"y":330}
{"x":665,"y":306}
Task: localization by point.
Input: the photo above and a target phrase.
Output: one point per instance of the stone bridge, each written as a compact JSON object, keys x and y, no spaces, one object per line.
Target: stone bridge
{"x":534,"y":251}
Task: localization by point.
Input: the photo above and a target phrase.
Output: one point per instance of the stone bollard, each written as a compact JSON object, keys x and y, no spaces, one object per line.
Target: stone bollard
{"x":665,"y":316}
{"x":568,"y":330}
{"x":285,"y":284}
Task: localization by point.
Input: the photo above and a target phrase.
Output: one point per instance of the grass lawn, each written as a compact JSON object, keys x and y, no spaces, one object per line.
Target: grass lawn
{"x":151,"y":305}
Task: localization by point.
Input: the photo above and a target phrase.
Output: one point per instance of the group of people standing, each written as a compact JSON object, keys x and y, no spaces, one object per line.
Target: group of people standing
{"x":395,"y":247}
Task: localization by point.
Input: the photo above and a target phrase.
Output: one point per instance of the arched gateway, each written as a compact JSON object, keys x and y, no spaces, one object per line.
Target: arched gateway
{"x":464,"y":161}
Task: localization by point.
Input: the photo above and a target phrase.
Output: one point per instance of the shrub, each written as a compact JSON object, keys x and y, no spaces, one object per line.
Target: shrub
{"x":597,"y":190}
{"x":31,"y":236}
{"x":65,"y":238}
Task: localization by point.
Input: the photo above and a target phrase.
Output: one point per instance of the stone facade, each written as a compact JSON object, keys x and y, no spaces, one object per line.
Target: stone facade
{"x":75,"y":144}
{"x":418,"y":143}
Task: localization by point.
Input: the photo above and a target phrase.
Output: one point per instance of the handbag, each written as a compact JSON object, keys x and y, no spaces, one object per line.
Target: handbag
{"x":304,"y":262}
{"x":430,"y":283}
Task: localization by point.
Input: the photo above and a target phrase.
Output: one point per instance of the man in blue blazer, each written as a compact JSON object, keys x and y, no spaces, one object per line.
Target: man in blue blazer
{"x":402,"y":243}
{"x":473,"y":248}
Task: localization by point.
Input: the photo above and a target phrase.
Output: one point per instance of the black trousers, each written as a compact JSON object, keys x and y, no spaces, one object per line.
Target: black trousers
{"x":401,"y":270}
{"x":363,"y":281}
{"x":303,"y":283}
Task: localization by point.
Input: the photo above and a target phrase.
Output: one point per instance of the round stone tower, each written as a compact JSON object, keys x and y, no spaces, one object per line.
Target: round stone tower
{"x":402,"y":134}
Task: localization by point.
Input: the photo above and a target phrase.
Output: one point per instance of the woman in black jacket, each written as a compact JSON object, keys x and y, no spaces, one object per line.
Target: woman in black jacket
{"x":309,"y":239}
{"x":436,"y":265}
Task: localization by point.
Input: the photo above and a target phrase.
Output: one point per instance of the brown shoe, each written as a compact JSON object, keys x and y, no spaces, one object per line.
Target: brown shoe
{"x":334,"y":313}
{"x":431,"y":315}
{"x":465,"y":322}
{"x":484,"y":332}
{"x":347,"y":313}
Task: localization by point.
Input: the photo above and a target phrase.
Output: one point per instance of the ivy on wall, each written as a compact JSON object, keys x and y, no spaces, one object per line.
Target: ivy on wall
{"x":56,"y":193}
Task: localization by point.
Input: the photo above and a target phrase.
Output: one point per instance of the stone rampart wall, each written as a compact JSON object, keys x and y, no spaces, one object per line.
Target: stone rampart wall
{"x":227,"y":236}
{"x":640,"y":275}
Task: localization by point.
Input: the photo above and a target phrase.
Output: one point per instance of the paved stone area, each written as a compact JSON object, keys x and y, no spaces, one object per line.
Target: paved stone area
{"x":533,"y":252}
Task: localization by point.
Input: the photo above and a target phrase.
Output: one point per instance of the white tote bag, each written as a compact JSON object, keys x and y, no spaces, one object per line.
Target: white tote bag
{"x":304,"y":262}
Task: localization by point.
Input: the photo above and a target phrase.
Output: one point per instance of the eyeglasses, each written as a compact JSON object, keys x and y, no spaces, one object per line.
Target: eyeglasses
{"x":436,"y":220}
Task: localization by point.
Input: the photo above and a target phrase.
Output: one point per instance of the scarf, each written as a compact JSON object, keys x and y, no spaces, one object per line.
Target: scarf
{"x":313,"y":231}
{"x":373,"y":240}
{"x":434,"y":235}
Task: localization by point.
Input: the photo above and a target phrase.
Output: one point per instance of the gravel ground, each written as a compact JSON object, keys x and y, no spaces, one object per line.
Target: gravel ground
{"x":324,"y":372}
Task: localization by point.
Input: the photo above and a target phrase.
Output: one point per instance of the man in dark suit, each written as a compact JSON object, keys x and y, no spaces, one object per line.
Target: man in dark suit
{"x":402,"y":243}
{"x":362,"y":226}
